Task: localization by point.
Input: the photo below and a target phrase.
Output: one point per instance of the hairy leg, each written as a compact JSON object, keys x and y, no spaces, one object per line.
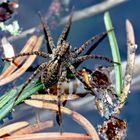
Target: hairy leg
{"x":65,"y":32}
{"x":49,"y":39}
{"x":59,"y":92}
{"x":38,"y":53}
{"x":38,"y":70}
{"x":88,"y":42}
{"x":92,"y":47}
{"x":92,"y":56}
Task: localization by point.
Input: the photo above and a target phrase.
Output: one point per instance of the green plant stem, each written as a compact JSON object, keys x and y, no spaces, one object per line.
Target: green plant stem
{"x":6,"y":101}
{"x":115,"y":53}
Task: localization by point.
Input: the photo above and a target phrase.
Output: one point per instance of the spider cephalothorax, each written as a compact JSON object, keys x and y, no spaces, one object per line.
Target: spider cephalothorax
{"x":60,"y":58}
{"x":53,"y":69}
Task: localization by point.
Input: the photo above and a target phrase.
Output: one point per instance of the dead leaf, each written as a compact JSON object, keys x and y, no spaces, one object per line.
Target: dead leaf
{"x":12,"y":127}
{"x":33,"y":128}
{"x":50,"y":136}
{"x":25,"y":66}
{"x":76,"y":116}
{"x":54,"y":97}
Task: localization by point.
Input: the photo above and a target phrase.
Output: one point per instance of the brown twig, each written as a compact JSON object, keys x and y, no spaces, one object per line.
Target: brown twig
{"x":54,"y":97}
{"x":49,"y":136}
{"x":129,"y":68}
{"x":90,"y":11}
{"x":76,"y":116}
{"x":12,"y":127}
{"x":93,"y":10}
{"x":33,"y":128}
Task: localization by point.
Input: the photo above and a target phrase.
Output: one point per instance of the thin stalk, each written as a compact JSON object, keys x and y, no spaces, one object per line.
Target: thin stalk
{"x":6,"y":102}
{"x":115,"y":53}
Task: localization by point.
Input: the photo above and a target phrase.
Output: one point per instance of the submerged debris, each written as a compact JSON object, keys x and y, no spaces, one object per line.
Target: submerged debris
{"x":12,"y":28}
{"x":7,"y":9}
{"x":100,"y":81}
{"x":106,"y":99}
{"x":113,"y":129}
{"x":100,"y":77}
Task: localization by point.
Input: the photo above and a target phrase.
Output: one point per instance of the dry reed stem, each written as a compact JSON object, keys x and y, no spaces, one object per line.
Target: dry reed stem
{"x":90,"y":11}
{"x":129,"y":68}
{"x":54,"y":97}
{"x":49,"y":136}
{"x":75,"y":116}
{"x":12,"y":127}
{"x":33,"y":128}
{"x":28,"y":47}
{"x":25,"y":66}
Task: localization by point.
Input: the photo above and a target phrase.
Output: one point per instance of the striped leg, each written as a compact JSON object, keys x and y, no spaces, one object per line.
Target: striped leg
{"x":59,"y":92}
{"x":65,"y":32}
{"x":88,"y":42}
{"x":38,"y":70}
{"x":92,"y":56}
{"x":38,"y":53}
{"x":49,"y":39}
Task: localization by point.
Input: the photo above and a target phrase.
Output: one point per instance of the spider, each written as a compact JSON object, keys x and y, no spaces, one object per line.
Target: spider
{"x":61,"y":58}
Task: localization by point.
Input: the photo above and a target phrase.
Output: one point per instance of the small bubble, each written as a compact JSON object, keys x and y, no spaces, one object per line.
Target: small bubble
{"x":136,"y":46}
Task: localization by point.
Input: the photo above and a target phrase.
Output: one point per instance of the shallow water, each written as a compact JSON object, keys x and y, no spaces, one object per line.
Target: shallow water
{"x":81,"y":31}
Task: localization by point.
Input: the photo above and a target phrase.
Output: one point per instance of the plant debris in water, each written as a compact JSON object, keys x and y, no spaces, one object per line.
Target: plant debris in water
{"x":105,"y":90}
{"x":113,"y":129}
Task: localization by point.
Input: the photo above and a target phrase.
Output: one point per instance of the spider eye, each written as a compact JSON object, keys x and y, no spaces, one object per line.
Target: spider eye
{"x":58,"y":58}
{"x":70,"y":47}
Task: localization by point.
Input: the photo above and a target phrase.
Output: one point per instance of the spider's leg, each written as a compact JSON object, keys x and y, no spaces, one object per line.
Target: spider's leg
{"x":59,"y":92}
{"x":91,"y":49}
{"x":95,"y":44}
{"x":49,"y":39}
{"x":88,"y":42}
{"x":65,"y":31}
{"x":73,"y":70}
{"x":38,"y":70}
{"x":92,"y":56}
{"x":38,"y":53}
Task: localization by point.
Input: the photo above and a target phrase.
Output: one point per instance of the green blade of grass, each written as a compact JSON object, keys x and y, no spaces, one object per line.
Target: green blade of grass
{"x":6,"y":109}
{"x":31,"y":89}
{"x":6,"y":102}
{"x":115,"y":53}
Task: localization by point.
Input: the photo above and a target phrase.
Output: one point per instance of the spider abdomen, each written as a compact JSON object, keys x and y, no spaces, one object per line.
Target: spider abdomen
{"x":51,"y":74}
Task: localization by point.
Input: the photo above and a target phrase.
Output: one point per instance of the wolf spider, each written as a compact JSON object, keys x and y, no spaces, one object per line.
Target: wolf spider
{"x":61,"y":58}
